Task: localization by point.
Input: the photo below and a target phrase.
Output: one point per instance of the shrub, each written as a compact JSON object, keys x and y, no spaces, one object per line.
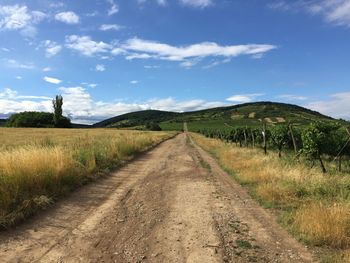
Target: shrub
{"x":36,"y":120}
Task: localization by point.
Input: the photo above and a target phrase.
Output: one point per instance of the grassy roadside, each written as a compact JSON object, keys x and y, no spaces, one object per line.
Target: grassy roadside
{"x":37,"y":166}
{"x":314,"y":207}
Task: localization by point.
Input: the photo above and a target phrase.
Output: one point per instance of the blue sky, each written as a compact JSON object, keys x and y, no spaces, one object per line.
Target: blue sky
{"x":108,"y":57}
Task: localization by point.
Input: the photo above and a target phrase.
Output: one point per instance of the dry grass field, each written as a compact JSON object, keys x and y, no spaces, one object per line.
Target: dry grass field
{"x":313,"y":206}
{"x":39,"y":165}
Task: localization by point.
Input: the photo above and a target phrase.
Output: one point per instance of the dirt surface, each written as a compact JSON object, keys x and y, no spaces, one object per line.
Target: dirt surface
{"x":172,"y":204}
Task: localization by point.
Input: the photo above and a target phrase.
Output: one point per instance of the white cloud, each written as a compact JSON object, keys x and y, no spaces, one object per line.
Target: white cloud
{"x":46,"y":69}
{"x":86,"y":46}
{"x":291,"y":97}
{"x":80,"y":106}
{"x":188,"y":56}
{"x":8,"y":93}
{"x":113,"y":9}
{"x":151,"y":66}
{"x":145,"y":49}
{"x":19,"y":17}
{"x":12,"y":63}
{"x":14,"y":17}
{"x":106,"y":27}
{"x":338,"y":105}
{"x":134,"y":82}
{"x":162,"y":2}
{"x":68,"y":17}
{"x":159,"y":2}
{"x":19,"y":77}
{"x":333,"y":11}
{"x":100,"y":68}
{"x":51,"y":48}
{"x":244,"y":98}
{"x":52,"y":80}
{"x":197,"y":3}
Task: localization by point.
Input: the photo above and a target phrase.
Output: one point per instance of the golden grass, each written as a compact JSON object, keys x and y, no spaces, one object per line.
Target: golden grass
{"x":325,"y":223}
{"x":38,"y":165}
{"x":316,"y":207}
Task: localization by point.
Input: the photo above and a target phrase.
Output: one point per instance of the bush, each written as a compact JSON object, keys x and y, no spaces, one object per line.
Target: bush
{"x":36,"y":120}
{"x":152,"y":126}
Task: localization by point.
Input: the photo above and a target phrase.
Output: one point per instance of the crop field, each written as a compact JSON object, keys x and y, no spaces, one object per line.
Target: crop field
{"x":313,"y":206}
{"x":39,"y":165}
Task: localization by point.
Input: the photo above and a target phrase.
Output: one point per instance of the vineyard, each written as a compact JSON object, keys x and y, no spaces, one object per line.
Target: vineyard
{"x":319,"y":142}
{"x":302,"y":172}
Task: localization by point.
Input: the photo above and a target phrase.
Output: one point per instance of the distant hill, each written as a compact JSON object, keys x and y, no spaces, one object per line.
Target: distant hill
{"x":247,"y":114}
{"x":137,"y":118}
{"x":81,"y":126}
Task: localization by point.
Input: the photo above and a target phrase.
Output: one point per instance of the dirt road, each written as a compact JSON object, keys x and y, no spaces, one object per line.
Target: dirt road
{"x":172,"y":204}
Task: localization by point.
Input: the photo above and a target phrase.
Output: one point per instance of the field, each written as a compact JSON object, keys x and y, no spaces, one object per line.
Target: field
{"x":313,"y":206}
{"x":39,"y":165}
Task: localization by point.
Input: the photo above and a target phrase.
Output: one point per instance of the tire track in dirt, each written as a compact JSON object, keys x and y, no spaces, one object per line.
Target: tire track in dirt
{"x":173,"y":204}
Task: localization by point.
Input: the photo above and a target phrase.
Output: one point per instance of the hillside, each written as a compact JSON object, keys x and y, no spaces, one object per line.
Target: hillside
{"x":248,"y":114}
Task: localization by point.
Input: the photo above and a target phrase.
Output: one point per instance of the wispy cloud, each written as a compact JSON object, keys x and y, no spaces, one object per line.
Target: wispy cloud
{"x":19,"y":17}
{"x":197,"y":3}
{"x":338,"y":105}
{"x":8,"y":93}
{"x":100,"y":67}
{"x":146,"y":49}
{"x":188,"y":56}
{"x":243,"y":98}
{"x":333,"y":11}
{"x":134,"y":82}
{"x":68,"y":17}
{"x":86,"y":46}
{"x":291,"y":97}
{"x":113,"y":9}
{"x":12,"y":63}
{"x":51,"y":48}
{"x":52,"y":80}
{"x":106,"y":27}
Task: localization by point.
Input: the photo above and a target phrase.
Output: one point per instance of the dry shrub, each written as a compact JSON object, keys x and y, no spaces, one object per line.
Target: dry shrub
{"x":323,"y":224}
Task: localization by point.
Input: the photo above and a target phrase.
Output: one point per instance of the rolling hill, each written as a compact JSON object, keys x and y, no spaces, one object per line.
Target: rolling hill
{"x":248,"y":114}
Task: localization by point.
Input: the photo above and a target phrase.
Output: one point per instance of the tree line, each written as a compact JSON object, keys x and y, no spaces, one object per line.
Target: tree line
{"x":315,"y":142}
{"x":41,"y":119}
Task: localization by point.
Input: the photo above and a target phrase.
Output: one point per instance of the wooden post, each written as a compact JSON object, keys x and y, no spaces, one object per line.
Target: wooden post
{"x":245,"y":137}
{"x":264,"y":138}
{"x":339,"y":163}
{"x":253,"y":139}
{"x":293,"y":139}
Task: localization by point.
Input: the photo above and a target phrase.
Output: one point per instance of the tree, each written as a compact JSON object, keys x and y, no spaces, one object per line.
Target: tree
{"x":57,"y":110}
{"x":58,"y":119}
{"x":31,"y":119}
{"x":152,"y":126}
